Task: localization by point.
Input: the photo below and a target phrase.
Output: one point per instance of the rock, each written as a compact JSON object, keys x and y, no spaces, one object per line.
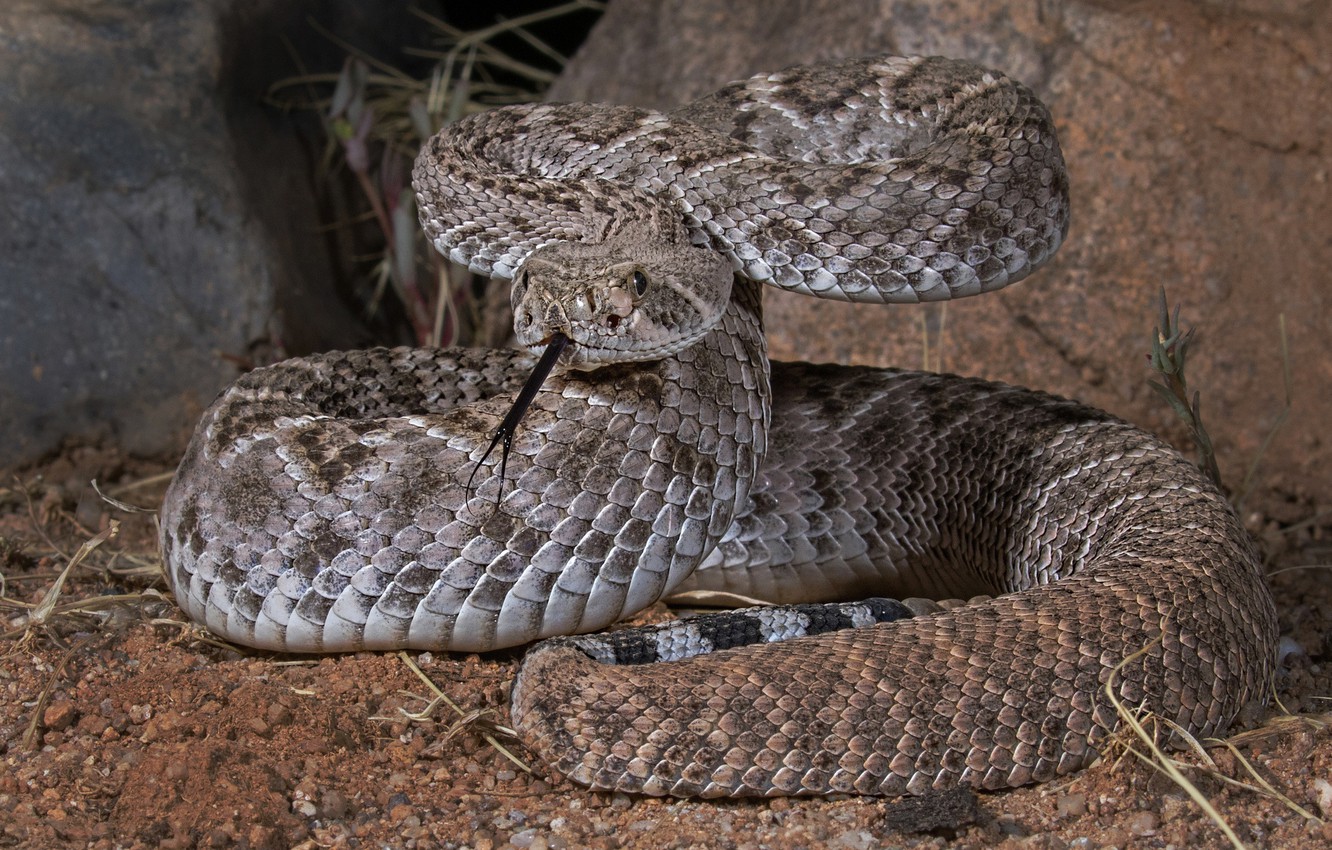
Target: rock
{"x":1194,"y":136}
{"x":942,"y":812}
{"x":59,"y":715}
{"x":159,"y":220}
{"x":854,"y":839}
{"x":334,"y":805}
{"x":1071,"y":805}
{"x":1322,"y":794}
{"x":1144,"y":823}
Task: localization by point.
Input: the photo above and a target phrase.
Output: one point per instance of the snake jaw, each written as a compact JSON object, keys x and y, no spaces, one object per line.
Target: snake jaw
{"x":596,"y":322}
{"x":640,"y":294}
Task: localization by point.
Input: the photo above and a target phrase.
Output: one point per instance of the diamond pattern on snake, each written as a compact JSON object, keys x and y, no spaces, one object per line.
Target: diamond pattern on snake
{"x":350,"y":500}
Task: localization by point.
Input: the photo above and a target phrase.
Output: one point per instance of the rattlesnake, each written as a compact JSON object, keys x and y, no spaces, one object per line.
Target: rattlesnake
{"x":326,"y":503}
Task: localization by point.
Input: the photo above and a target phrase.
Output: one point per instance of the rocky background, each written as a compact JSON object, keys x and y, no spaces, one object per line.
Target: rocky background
{"x":162,"y":224}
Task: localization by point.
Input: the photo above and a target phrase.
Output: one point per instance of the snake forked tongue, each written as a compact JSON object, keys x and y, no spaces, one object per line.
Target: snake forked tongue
{"x":509,"y":426}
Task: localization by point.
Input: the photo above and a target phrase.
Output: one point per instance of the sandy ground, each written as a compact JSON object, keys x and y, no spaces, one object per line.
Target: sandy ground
{"x":123,"y":726}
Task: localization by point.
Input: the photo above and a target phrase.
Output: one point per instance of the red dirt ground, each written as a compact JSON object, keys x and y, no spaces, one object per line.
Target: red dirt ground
{"x":122,"y":726}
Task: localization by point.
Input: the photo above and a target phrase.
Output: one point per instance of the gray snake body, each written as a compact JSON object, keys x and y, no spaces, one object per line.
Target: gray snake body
{"x":323,"y":506}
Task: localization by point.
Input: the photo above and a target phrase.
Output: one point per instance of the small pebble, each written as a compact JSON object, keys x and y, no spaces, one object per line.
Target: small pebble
{"x":1323,"y":794}
{"x":1143,"y":823}
{"x":278,"y":714}
{"x":856,"y":839}
{"x":333,"y":835}
{"x":333,"y":805}
{"x":94,"y":724}
{"x":1071,"y":806}
{"x":1009,"y":826}
{"x":1173,"y":807}
{"x":59,"y":715}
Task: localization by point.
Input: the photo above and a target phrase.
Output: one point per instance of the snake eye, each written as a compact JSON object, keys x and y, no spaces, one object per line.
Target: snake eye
{"x":639,"y":282}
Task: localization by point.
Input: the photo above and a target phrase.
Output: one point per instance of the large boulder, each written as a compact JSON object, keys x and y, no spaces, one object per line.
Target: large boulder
{"x":1195,"y":136}
{"x":159,"y":219}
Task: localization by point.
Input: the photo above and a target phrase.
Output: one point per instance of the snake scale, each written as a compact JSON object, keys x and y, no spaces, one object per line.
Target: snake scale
{"x":327,"y":503}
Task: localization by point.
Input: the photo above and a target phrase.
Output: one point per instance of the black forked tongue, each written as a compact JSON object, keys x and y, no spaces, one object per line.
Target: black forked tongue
{"x":509,"y":426}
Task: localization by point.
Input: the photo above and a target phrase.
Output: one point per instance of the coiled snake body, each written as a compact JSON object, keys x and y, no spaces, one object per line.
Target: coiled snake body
{"x":324,"y":505}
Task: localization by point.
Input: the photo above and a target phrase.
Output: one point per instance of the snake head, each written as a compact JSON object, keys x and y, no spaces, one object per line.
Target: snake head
{"x":633,"y":296}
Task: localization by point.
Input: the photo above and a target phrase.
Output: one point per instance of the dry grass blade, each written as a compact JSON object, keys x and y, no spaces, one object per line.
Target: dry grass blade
{"x":1278,"y":725}
{"x":1298,"y":567}
{"x":148,"y":481}
{"x":479,"y":39}
{"x":467,"y":721}
{"x":107,"y":602}
{"x":376,"y":117}
{"x":42,"y":611}
{"x":119,"y":505}
{"x":350,"y":49}
{"x":1169,"y":355}
{"x":466,"y":718}
{"x":101,"y":608}
{"x":1265,"y":787}
{"x":540,"y":46}
{"x":1158,"y":759}
{"x":34,"y":721}
{"x":129,"y":565}
{"x":1308,"y":522}
{"x":37,"y":524}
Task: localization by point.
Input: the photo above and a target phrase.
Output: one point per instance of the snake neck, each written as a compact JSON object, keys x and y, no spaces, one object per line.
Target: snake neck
{"x":714,"y":398}
{"x":741,"y":328}
{"x":622,"y":479}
